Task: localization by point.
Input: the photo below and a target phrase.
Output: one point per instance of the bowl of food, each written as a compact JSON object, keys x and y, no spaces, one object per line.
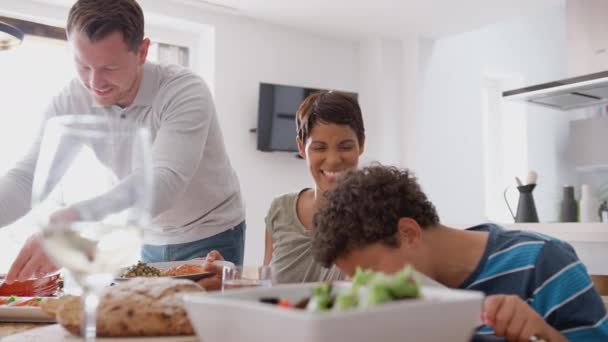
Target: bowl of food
{"x":372,"y":307}
{"x":188,"y":269}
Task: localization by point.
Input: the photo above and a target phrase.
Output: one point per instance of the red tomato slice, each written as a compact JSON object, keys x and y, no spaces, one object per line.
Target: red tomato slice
{"x":29,"y":302}
{"x":284,"y":303}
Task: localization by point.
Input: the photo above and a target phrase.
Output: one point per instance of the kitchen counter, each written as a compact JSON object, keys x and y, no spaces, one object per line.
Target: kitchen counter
{"x":590,"y":240}
{"x":569,"y":232}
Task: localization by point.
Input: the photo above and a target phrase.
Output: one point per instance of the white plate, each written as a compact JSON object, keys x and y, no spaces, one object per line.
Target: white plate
{"x":23,"y":313}
{"x":163,"y":266}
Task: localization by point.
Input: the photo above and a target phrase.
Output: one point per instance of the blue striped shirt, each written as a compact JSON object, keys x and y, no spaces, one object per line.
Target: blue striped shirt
{"x":547,"y":274}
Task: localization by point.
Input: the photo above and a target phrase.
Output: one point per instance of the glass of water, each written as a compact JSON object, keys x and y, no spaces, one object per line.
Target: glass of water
{"x":246,"y":276}
{"x":91,"y":197}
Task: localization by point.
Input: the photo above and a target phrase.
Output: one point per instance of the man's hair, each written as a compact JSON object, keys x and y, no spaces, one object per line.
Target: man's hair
{"x":329,"y":107}
{"x":365,"y":208}
{"x":100,"y":18}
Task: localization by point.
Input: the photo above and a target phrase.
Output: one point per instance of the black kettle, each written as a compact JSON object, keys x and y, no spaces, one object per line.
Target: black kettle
{"x":526,"y":209}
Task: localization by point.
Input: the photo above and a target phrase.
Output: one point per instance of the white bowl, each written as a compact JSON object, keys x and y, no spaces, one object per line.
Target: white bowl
{"x":235,"y":316}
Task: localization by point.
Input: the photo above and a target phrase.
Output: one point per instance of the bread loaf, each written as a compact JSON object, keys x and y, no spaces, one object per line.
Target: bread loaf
{"x":138,"y":307}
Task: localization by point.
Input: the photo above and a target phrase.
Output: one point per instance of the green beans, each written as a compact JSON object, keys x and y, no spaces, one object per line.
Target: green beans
{"x":141,"y":270}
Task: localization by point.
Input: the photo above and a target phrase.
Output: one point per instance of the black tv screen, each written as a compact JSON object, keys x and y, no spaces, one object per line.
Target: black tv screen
{"x":277,"y":108}
{"x":277,"y":116}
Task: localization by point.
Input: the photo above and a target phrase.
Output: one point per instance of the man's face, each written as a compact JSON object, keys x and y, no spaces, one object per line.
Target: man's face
{"x":377,"y":257}
{"x":107,"y":68}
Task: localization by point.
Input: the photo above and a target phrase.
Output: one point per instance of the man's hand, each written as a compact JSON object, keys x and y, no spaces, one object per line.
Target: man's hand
{"x":214,"y":255}
{"x":66,"y":215}
{"x":32,"y":262}
{"x":515,"y":320}
{"x":214,"y":282}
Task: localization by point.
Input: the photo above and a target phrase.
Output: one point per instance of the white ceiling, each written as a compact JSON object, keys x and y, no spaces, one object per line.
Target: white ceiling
{"x":355,"y":19}
{"x":383,"y":18}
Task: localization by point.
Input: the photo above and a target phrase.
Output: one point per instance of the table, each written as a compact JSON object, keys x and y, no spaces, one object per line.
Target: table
{"x":7,"y":329}
{"x":51,"y":332}
{"x":36,"y":332}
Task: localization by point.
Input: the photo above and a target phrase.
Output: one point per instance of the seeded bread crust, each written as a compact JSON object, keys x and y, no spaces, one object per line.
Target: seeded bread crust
{"x":138,"y":307}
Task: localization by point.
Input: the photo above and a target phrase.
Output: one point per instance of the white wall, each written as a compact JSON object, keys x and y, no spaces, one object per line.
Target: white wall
{"x":422,"y":100}
{"x":448,"y":131}
{"x":246,"y":52}
{"x":380,"y":89}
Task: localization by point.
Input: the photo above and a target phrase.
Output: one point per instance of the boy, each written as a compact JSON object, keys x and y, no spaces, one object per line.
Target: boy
{"x":378,"y":218}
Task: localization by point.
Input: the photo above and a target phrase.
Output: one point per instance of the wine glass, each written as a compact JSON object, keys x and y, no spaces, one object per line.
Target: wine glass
{"x":91,"y":197}
{"x":237,"y":277}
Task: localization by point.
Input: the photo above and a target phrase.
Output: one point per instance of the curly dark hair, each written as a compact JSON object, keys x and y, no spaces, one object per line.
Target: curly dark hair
{"x":329,"y":107}
{"x":365,"y":208}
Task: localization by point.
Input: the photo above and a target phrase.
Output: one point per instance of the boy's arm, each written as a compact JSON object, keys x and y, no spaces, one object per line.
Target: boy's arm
{"x":514,"y":319}
{"x":564,"y":295}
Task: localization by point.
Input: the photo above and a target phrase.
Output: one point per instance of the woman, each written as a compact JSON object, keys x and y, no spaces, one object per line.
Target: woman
{"x":330,"y":137}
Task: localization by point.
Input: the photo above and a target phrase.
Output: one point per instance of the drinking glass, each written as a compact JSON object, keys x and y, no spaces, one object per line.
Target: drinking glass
{"x":246,"y":276}
{"x":91,"y":197}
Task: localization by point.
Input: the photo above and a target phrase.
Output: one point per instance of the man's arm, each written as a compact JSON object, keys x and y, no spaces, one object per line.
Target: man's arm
{"x":16,"y":184}
{"x":176,"y":152}
{"x":16,"y":189}
{"x":181,"y":140}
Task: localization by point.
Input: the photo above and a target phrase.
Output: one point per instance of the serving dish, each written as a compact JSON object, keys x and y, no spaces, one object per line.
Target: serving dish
{"x":19,"y":310}
{"x":440,"y":315}
{"x":164,"y":266}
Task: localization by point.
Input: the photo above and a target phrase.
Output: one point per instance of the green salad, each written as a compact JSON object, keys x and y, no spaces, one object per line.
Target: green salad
{"x":368,"y":289}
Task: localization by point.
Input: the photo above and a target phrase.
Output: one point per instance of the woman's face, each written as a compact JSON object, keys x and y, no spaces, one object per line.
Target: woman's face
{"x":330,"y":151}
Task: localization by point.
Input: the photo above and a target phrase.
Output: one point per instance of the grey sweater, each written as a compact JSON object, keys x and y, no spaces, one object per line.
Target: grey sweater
{"x":197,"y":193}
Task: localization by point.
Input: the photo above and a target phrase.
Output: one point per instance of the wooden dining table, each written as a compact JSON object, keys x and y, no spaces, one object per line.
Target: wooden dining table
{"x":7,"y":329}
{"x":53,"y":332}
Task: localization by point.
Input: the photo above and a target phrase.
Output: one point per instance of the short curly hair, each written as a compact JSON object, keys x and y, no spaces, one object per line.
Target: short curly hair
{"x":365,"y":208}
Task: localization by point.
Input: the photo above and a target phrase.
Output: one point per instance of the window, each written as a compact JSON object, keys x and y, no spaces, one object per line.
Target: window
{"x":169,"y":54}
{"x":30,"y":76}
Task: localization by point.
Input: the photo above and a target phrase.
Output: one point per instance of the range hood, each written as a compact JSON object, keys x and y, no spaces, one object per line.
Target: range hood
{"x":566,"y":94}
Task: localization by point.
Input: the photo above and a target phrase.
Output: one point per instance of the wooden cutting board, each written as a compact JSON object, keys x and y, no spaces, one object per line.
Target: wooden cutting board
{"x":55,"y":333}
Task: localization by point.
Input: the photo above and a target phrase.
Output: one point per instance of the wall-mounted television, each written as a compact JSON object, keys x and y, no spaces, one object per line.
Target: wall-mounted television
{"x":277,"y":108}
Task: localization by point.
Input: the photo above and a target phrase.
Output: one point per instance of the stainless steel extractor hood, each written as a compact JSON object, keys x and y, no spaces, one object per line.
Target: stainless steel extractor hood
{"x":566,"y":94}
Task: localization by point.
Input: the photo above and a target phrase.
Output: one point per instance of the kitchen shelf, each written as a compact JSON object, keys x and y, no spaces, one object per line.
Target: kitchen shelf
{"x":593,"y":168}
{"x":569,"y":232}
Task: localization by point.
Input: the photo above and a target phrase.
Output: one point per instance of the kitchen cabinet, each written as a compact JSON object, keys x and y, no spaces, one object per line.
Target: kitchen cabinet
{"x":588,"y":141}
{"x":587,"y":36}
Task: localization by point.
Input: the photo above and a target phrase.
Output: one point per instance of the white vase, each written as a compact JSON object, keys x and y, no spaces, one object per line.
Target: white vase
{"x":588,"y":205}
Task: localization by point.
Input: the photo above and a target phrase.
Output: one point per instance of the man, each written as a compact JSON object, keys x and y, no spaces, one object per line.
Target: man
{"x":378,"y":218}
{"x":198,"y":205}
